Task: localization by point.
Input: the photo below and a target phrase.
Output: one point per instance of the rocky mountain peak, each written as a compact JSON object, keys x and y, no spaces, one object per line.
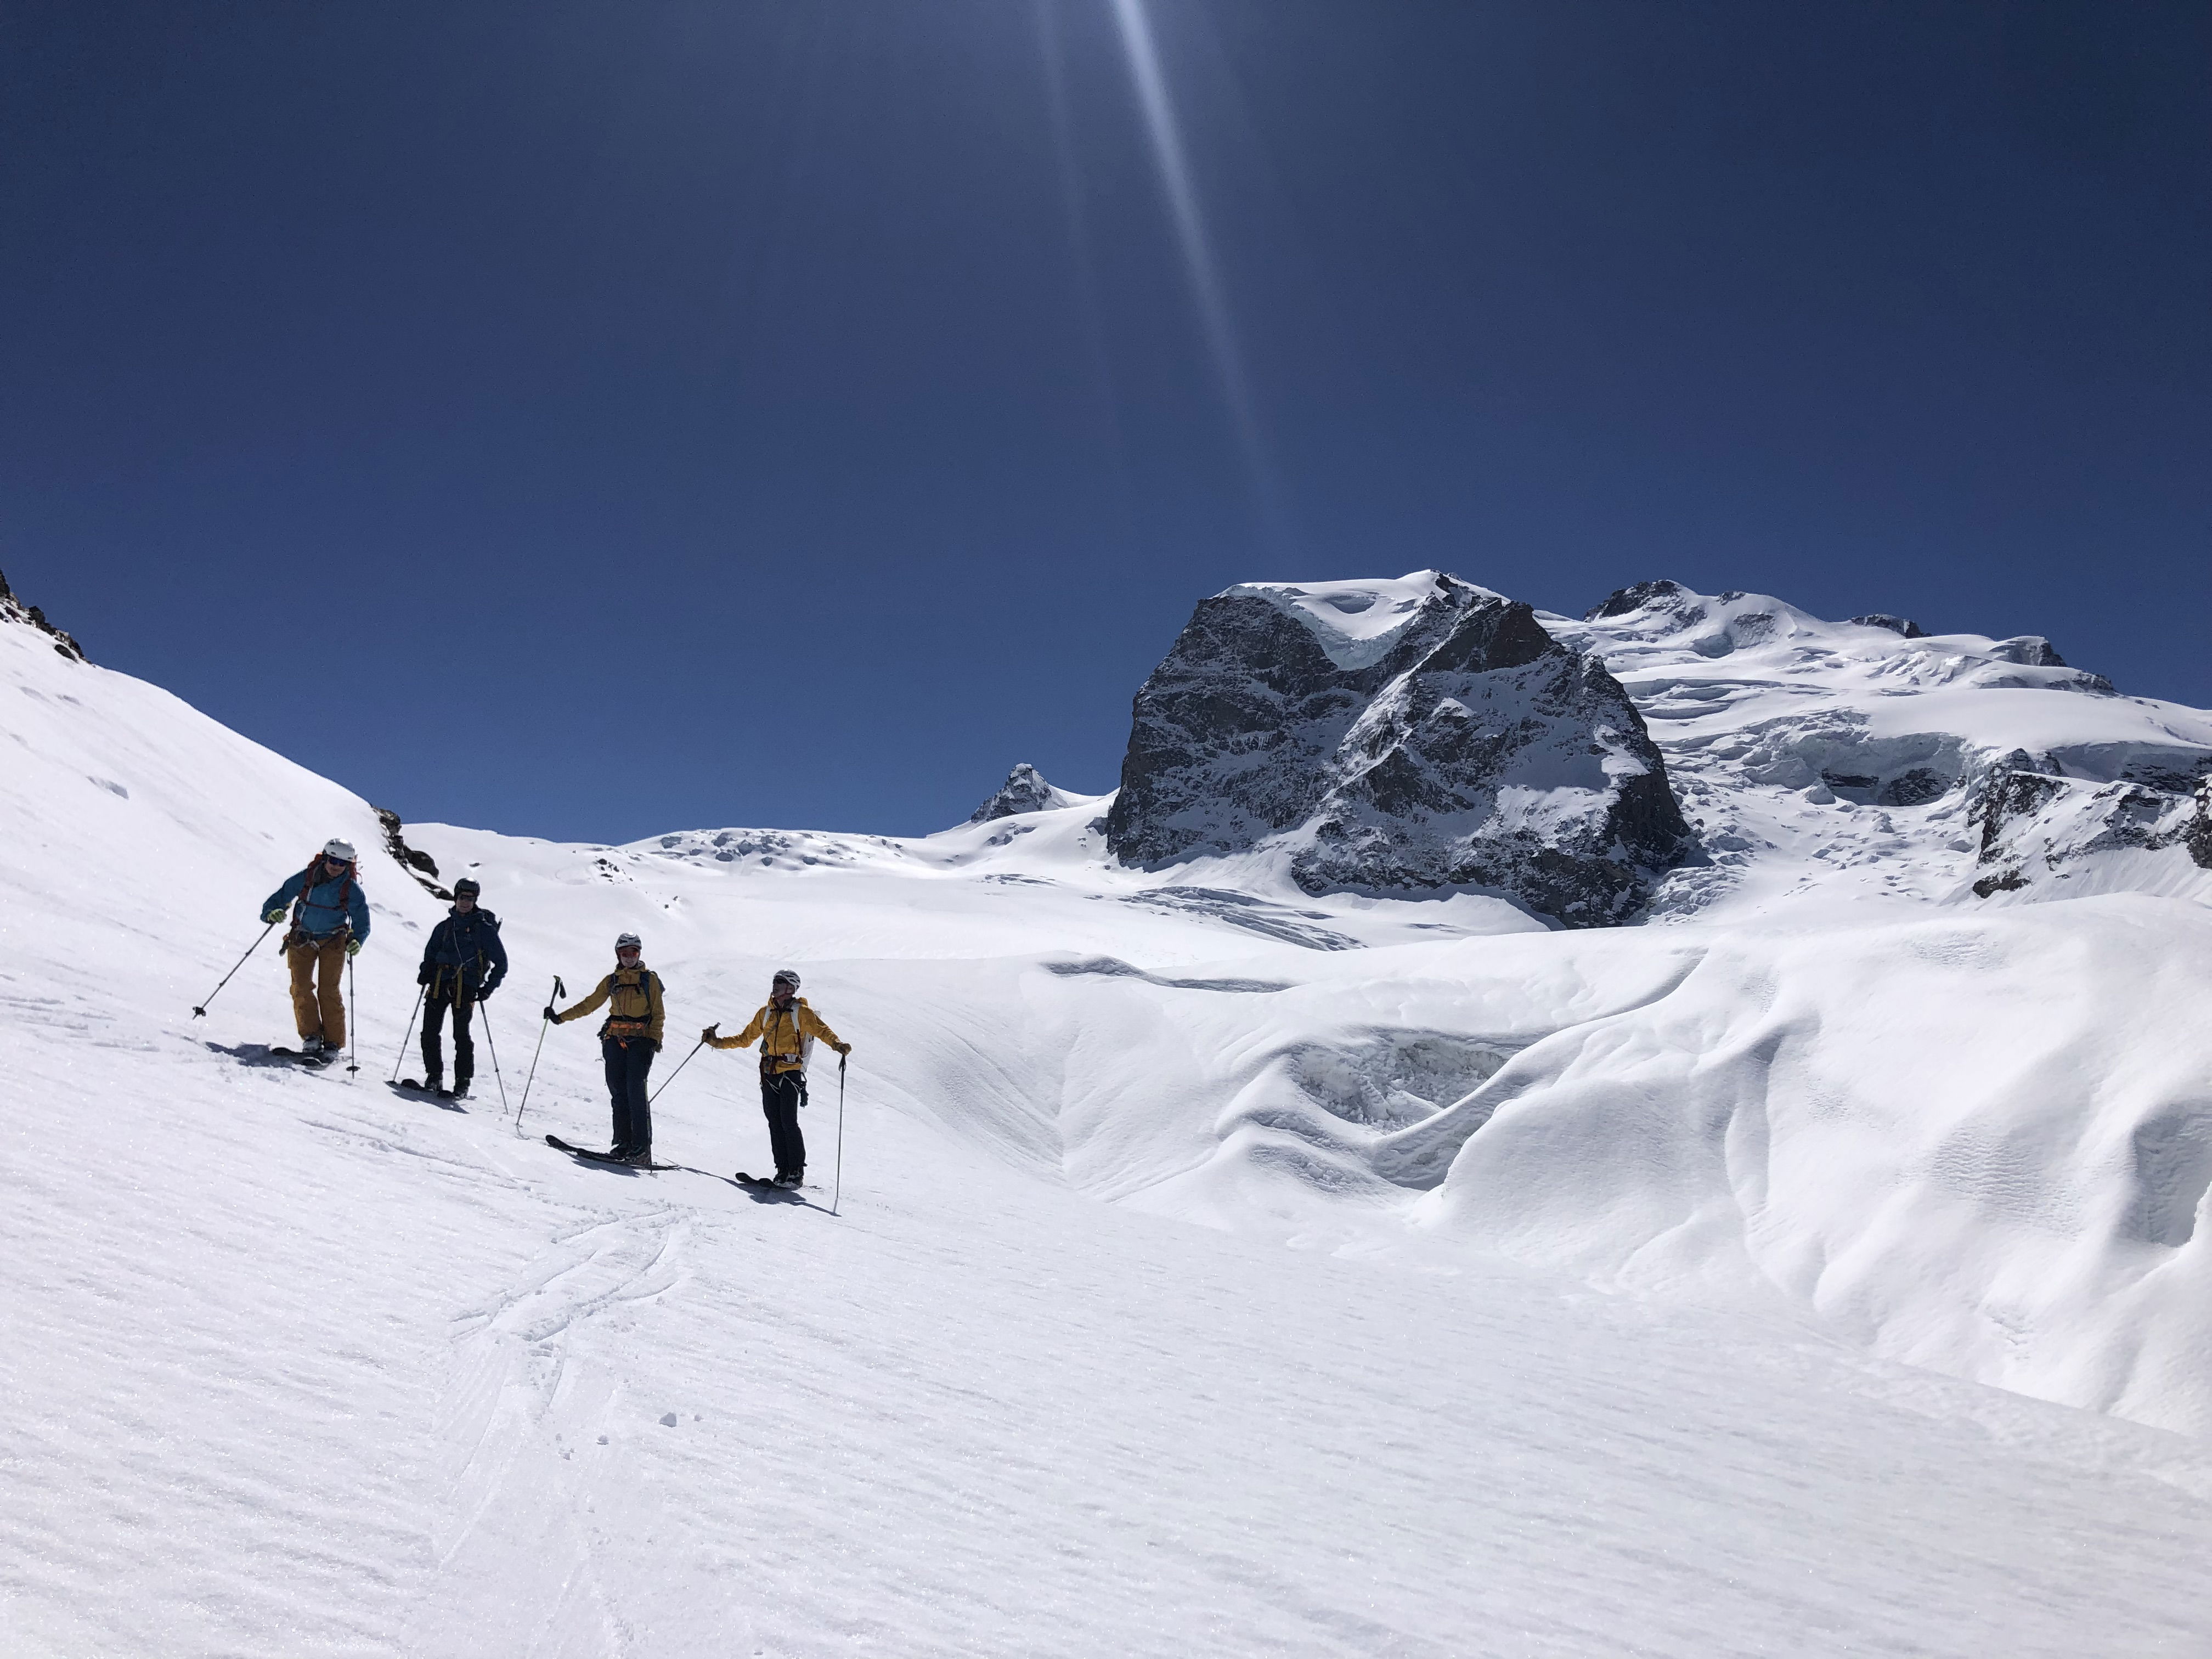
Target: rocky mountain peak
{"x":1023,"y":790}
{"x":1416,"y":734}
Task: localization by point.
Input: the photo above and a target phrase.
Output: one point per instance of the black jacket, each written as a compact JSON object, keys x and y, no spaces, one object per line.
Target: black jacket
{"x":470,"y":943}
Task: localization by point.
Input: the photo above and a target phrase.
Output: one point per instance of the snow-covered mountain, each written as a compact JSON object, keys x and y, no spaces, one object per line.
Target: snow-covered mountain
{"x":1418,"y":735}
{"x":296,"y":1364}
{"x":1867,"y":757}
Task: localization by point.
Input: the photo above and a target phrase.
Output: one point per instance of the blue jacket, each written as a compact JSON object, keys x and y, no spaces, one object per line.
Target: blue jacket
{"x":324,"y":912}
{"x":470,"y":943}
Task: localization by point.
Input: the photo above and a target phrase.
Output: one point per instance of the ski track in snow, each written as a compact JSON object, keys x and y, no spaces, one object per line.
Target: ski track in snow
{"x":294,"y":1364}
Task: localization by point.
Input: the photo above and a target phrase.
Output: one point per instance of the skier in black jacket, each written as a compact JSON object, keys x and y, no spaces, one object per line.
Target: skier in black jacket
{"x":462,"y":966}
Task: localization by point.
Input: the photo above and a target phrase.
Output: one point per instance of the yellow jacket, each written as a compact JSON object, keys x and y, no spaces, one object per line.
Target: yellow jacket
{"x":634,"y":1008}
{"x":780,"y":1031}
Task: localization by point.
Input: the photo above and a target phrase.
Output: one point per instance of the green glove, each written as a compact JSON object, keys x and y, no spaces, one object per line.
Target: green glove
{"x":274,"y":916}
{"x":353,"y":947}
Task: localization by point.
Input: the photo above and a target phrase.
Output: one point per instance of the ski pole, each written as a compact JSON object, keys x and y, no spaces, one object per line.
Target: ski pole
{"x":559,"y":992}
{"x":353,"y":1023}
{"x":201,"y":1009}
{"x":484,"y":1013}
{"x":838,"y":1192}
{"x":680,"y":1065}
{"x":421,"y":992}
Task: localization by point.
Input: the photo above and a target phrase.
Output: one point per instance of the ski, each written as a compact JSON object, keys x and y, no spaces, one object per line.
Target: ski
{"x":586,"y":1153}
{"x":448,"y":1100}
{"x":313,"y":1062}
{"x":763,"y":1184}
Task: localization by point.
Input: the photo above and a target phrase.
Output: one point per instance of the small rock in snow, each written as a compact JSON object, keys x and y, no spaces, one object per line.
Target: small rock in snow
{"x":668,"y":1419}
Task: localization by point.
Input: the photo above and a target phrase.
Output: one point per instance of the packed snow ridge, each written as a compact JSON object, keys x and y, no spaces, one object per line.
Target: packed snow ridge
{"x":1902,"y":1088}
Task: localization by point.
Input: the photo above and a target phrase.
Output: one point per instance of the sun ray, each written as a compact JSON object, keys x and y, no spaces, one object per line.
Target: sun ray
{"x":1179,"y":184}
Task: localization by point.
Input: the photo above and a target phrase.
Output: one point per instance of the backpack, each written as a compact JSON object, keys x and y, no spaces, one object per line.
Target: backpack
{"x":805,"y":1041}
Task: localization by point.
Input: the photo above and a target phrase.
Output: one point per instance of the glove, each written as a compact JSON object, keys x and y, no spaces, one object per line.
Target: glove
{"x":272,"y":917}
{"x":844,"y":1049}
{"x":353,"y":947}
{"x":550,"y":1015}
{"x":656,"y":1048}
{"x":483,"y":993}
{"x":422,"y":977}
{"x":708,"y":1036}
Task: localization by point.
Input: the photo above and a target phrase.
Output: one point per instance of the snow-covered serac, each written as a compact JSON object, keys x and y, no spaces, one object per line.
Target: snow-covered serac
{"x":1866,"y":757}
{"x":1409,"y":736}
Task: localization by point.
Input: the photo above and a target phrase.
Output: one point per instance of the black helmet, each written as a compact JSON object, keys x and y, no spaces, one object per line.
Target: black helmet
{"x":467,"y":887}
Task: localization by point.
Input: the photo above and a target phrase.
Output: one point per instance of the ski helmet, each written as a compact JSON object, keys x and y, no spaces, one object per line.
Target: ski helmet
{"x":467,"y":887}
{"x":628,"y":942}
{"x":339,"y":848}
{"x":786,"y":976}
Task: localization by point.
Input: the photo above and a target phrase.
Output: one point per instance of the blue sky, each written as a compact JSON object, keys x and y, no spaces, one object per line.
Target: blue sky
{"x":587,"y":419}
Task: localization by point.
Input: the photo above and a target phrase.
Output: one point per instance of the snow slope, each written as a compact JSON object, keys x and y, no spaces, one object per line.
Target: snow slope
{"x":295,"y":1364}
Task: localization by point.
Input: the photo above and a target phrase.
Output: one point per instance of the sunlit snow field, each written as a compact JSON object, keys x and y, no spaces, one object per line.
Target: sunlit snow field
{"x":1217,"y":1269}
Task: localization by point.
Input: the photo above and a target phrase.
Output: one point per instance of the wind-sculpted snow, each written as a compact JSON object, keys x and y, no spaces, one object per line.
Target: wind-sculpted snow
{"x":1451,"y":743}
{"x":297,"y":1364}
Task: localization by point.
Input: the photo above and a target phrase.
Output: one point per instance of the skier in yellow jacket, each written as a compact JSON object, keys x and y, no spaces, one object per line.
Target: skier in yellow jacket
{"x":628,"y":1039}
{"x":784,"y":1028}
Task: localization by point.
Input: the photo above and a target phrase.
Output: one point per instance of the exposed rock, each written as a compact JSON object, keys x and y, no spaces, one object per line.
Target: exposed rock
{"x":2029,"y":813}
{"x":1023,"y":790}
{"x":13,"y":609}
{"x":1662,"y":596}
{"x":419,"y":865}
{"x":2198,"y":837}
{"x":1396,"y":736}
{"x":2030,"y":651}
{"x":1900,"y":625}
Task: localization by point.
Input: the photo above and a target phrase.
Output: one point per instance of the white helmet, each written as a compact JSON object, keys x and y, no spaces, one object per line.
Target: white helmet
{"x":786,"y":976}
{"x":339,"y":848}
{"x":628,"y":942}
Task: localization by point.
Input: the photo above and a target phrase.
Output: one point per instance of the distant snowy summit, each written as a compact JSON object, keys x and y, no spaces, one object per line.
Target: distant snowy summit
{"x":1420,"y":734}
{"x":1868,"y":757}
{"x":1023,"y":790}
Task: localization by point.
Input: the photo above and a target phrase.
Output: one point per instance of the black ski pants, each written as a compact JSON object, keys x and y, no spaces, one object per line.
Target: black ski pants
{"x":782,"y":1093}
{"x":435,"y":1004}
{"x":629,"y":1061}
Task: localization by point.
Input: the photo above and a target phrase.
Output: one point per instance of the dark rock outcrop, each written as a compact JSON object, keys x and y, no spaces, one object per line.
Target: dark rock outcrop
{"x":2034,"y":819}
{"x":1903,"y":626}
{"x":1660,"y":596}
{"x":13,"y":609}
{"x":1023,"y":790}
{"x":419,"y":865}
{"x":1460,"y":746}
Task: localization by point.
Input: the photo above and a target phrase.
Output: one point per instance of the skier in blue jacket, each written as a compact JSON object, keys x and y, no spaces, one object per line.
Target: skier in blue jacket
{"x":330,"y":921}
{"x":462,"y":966}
